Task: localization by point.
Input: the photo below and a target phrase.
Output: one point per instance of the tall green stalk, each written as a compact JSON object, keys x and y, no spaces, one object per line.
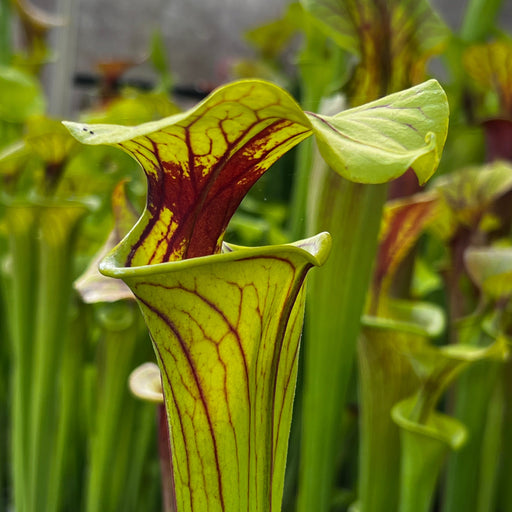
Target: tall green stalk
{"x":505,"y":477}
{"x":386,"y":376}
{"x":481,"y":397}
{"x":69,"y":431}
{"x":41,"y":245}
{"x":21,"y":224}
{"x":119,"y":446}
{"x":115,"y":355}
{"x":54,"y":269}
{"x":352,"y":212}
{"x":4,"y":377}
{"x":319,"y":62}
{"x":466,"y":472}
{"x":391,"y":41}
{"x":492,"y":447}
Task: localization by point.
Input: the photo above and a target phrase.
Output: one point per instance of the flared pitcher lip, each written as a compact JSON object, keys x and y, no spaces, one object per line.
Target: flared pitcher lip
{"x":315,"y":250}
{"x":94,"y":134}
{"x":446,"y":429}
{"x":431,"y":327}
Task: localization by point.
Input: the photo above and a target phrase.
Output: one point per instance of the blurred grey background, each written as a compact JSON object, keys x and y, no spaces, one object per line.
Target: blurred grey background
{"x":202,"y":37}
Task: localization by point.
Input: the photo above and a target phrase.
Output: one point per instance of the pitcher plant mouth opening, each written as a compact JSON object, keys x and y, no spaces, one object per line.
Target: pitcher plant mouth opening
{"x":314,"y":250}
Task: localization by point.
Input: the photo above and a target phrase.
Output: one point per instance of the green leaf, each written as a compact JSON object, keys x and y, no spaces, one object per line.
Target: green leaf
{"x":226,"y":331}
{"x":219,"y":320}
{"x":379,"y":141}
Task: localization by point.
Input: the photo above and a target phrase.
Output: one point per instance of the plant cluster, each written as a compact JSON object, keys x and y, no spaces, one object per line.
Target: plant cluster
{"x":152,"y":352}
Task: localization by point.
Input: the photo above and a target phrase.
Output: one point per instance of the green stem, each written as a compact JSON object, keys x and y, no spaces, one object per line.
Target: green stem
{"x":479,"y":19}
{"x":140,"y":489}
{"x":491,"y":448}
{"x":351,"y":212}
{"x":312,"y":90}
{"x":123,"y":428}
{"x":56,"y":230}
{"x":65,"y":461}
{"x":23,"y":258}
{"x":386,"y":377}
{"x":464,"y":471}
{"x":427,"y":398}
{"x":421,"y":462}
{"x":505,"y":484}
{"x":5,"y":345}
{"x":116,"y":360}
